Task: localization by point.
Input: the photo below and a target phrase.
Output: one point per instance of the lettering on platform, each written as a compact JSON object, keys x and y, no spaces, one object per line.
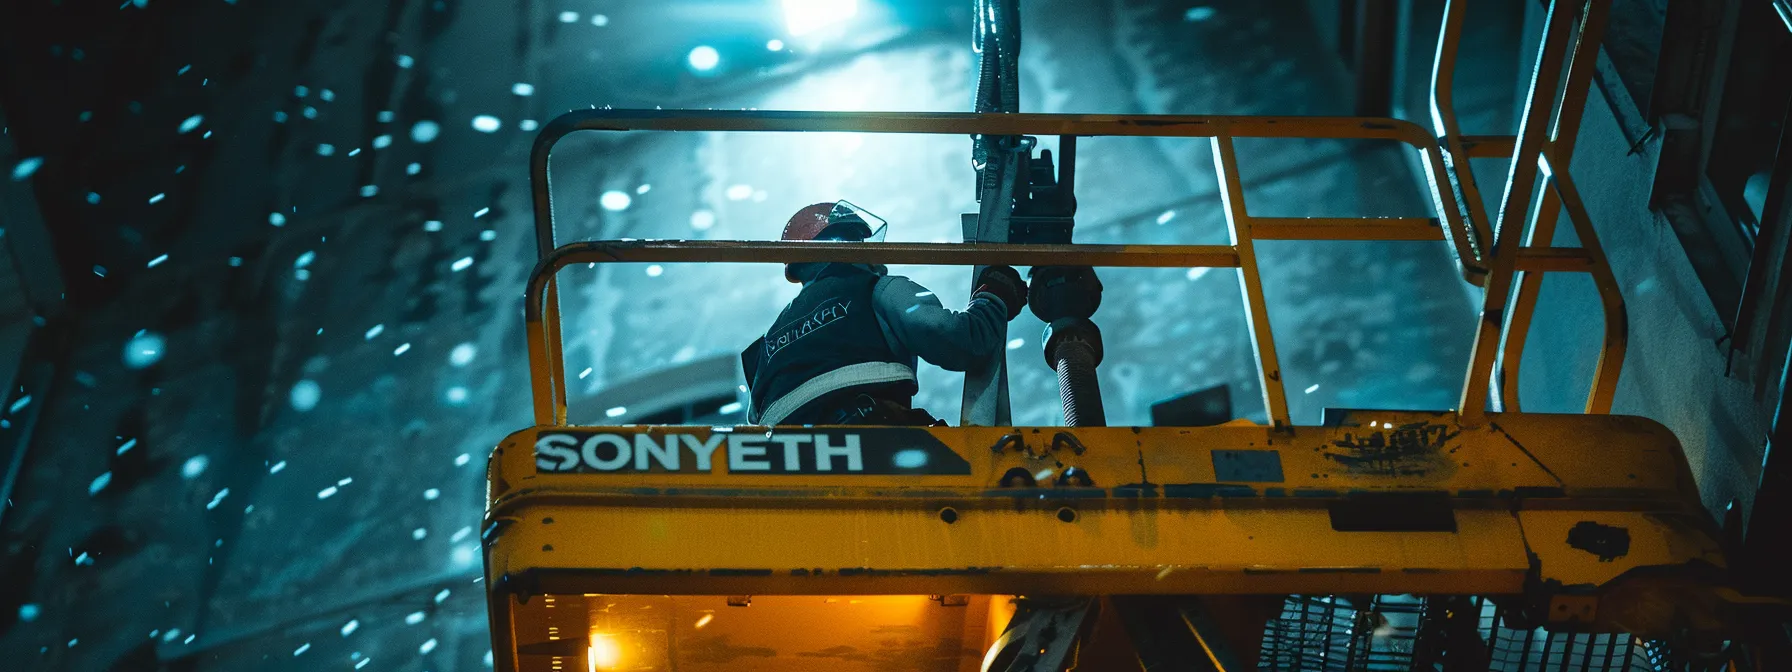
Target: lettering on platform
{"x":892,"y":451}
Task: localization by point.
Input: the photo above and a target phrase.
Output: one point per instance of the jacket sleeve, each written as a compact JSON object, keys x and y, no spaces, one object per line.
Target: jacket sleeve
{"x":950,"y":339}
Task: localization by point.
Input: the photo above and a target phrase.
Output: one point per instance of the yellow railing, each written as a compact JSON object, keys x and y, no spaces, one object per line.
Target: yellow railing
{"x":1511,"y":252}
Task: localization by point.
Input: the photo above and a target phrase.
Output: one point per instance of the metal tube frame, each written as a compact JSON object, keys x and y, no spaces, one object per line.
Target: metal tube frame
{"x":1490,"y":257}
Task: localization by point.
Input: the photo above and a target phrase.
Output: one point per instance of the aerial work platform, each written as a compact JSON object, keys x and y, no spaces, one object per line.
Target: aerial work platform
{"x":991,"y":546}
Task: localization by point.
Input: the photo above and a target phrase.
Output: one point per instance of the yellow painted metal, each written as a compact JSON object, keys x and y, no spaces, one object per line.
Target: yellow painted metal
{"x":1542,"y":233}
{"x":1457,"y":191}
{"x":1488,"y":146}
{"x":1617,"y":321}
{"x":1238,"y":226}
{"x":1166,"y":514}
{"x":1509,"y":224}
{"x":1345,"y":228}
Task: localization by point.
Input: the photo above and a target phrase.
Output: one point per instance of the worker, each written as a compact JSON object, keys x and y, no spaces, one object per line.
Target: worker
{"x":843,"y":352}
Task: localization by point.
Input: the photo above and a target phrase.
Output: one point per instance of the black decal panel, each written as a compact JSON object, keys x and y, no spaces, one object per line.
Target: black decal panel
{"x":794,"y":451}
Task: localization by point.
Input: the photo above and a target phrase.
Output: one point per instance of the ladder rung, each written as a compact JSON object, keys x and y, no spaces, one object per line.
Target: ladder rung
{"x":1346,"y":228}
{"x":1488,"y":146}
{"x":939,"y":254}
{"x":1554,"y":259}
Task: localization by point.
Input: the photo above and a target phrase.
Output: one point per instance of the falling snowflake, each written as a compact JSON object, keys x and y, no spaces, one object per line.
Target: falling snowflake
{"x":463,"y":354}
{"x":26,"y":167}
{"x":194,"y":466}
{"x":463,"y":555}
{"x":99,"y":484}
{"x":461,"y":264}
{"x":702,"y":220}
{"x":143,"y":350}
{"x":569,"y":17}
{"x":350,"y":627}
{"x":425,"y":131}
{"x":486,"y":123}
{"x":191,"y":123}
{"x":374,"y":331}
{"x":615,"y":201}
{"x":522,"y":89}
{"x":305,"y":395}
{"x":276,"y":219}
{"x":382,"y":141}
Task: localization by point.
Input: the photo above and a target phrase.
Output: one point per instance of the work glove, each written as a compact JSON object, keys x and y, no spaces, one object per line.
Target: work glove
{"x":1004,"y":283}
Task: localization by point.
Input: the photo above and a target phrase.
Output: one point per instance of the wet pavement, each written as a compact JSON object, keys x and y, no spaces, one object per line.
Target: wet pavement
{"x":303,"y":491}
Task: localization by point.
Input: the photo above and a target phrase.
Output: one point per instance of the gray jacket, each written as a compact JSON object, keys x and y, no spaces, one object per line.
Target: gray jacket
{"x":916,"y":324}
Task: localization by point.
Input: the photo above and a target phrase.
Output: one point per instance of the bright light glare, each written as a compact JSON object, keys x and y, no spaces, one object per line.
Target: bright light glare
{"x":802,"y":17}
{"x":704,"y":58}
{"x":604,"y":653}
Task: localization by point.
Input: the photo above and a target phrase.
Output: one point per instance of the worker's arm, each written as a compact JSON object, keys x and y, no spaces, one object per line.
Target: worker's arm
{"x":950,"y":339}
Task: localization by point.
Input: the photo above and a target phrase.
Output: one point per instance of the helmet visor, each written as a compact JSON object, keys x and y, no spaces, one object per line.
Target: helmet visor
{"x":846,"y":213}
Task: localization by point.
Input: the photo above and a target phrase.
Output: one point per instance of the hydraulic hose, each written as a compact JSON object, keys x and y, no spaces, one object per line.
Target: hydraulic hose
{"x":1078,"y":387}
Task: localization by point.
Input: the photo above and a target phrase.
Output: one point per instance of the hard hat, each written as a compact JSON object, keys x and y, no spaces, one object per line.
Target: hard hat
{"x":835,"y":220}
{"x":832,"y":221}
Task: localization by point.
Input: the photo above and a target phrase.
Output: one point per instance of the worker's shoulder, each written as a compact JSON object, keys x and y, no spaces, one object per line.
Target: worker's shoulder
{"x":897,"y":292}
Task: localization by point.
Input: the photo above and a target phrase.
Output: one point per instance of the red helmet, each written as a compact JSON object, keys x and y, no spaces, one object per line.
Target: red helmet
{"x":833,"y":220}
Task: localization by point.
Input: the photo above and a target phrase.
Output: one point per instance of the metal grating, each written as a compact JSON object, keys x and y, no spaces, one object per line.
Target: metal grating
{"x":1374,"y":633}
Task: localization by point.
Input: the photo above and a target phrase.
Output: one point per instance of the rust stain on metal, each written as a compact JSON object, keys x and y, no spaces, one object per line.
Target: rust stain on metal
{"x":1606,"y":541}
